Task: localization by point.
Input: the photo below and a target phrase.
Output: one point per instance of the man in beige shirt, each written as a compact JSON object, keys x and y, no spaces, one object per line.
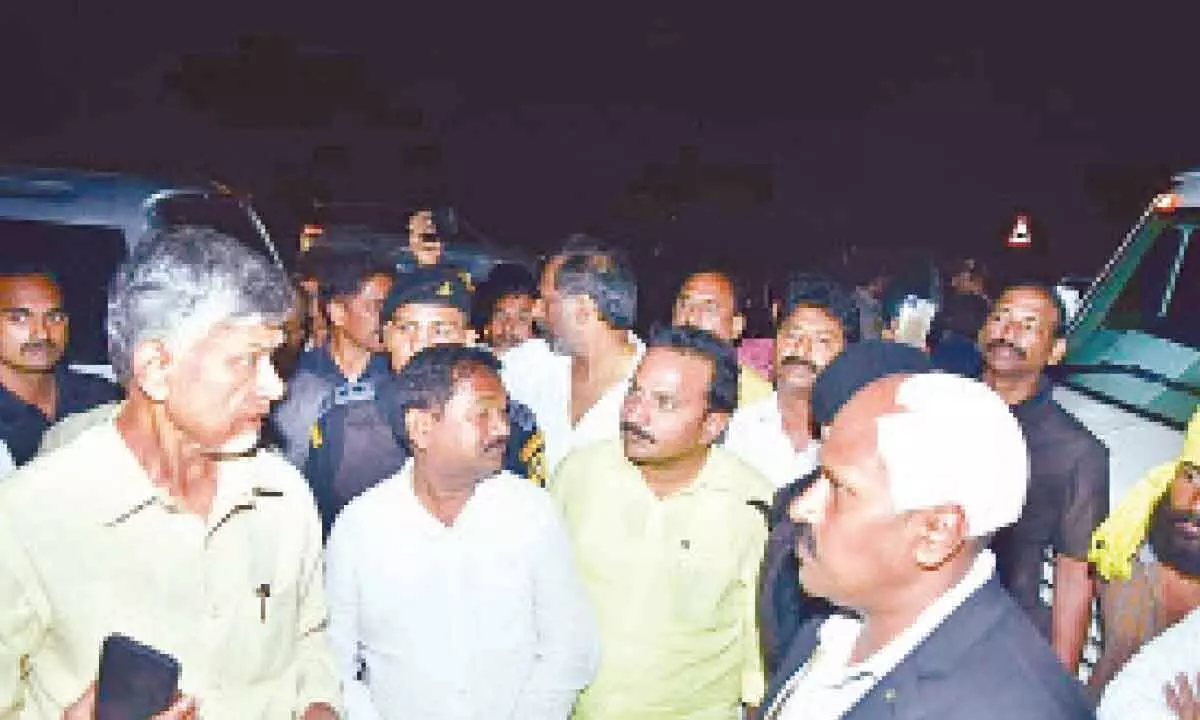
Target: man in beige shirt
{"x":162,"y":523}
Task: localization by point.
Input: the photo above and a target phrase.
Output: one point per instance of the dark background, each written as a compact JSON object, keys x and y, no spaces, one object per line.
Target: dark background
{"x":709,"y":132}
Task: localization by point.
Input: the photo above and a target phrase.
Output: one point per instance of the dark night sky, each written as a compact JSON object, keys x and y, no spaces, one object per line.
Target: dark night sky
{"x":793,"y":132}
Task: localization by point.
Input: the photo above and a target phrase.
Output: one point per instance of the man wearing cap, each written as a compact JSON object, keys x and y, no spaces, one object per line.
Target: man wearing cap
{"x":430,"y":306}
{"x":1148,"y":552}
{"x":783,"y":605}
{"x":916,"y":472}
{"x":1068,"y":487}
{"x":708,"y":300}
{"x":774,"y":435}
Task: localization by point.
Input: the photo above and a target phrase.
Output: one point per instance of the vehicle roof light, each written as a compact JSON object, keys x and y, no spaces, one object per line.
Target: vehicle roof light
{"x":1166,"y":202}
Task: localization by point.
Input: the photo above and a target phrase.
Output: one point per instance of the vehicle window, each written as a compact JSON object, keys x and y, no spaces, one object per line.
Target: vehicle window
{"x":1162,"y":295}
{"x":84,"y":259}
{"x":1143,"y":353}
{"x":218,"y":212}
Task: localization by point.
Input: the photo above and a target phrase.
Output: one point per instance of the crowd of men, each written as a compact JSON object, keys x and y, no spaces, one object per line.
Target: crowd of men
{"x":377,"y":492}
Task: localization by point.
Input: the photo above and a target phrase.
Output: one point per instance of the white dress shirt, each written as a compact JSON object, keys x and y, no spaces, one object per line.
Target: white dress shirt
{"x":756,"y":435}
{"x":526,"y":367}
{"x":486,"y":618}
{"x":1137,"y":690}
{"x":828,"y":686}
{"x":536,"y":376}
{"x":6,"y":461}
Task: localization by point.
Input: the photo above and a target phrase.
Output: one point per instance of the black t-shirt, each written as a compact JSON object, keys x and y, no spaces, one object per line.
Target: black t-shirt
{"x":1067,"y":499}
{"x":23,"y":425}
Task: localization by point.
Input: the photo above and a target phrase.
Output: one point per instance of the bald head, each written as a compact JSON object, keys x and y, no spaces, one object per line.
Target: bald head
{"x":912,"y":468}
{"x":944,"y":440}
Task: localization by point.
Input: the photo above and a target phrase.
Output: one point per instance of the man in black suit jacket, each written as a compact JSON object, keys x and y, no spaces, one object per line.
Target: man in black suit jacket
{"x":783,"y":606}
{"x":917,"y":471}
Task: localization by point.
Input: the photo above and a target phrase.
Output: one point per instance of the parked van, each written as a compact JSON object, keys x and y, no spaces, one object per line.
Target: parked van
{"x":83,"y":224}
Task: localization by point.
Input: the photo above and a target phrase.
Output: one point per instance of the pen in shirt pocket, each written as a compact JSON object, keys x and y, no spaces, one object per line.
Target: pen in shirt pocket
{"x":263,"y":593}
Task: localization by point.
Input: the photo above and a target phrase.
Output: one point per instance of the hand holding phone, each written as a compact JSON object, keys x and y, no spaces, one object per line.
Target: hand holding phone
{"x":136,"y":681}
{"x":184,"y":708}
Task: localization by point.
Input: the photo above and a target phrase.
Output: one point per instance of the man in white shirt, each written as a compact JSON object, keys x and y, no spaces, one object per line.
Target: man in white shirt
{"x":1161,"y":680}
{"x":451,"y":585}
{"x":775,"y":435}
{"x":589,"y":298}
{"x":917,"y":471}
{"x":6,"y":462}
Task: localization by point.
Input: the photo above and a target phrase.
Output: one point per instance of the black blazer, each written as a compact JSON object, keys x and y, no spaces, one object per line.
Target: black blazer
{"x":984,"y":662}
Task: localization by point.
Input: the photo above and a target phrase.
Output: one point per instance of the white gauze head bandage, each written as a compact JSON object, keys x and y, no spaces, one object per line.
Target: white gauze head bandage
{"x":955,"y":442}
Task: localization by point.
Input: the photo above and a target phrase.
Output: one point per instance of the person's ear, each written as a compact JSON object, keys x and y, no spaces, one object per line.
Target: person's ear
{"x":1057,"y":351}
{"x":151,"y":369}
{"x":714,"y":424}
{"x":336,"y":309}
{"x":739,"y":326}
{"x":941,"y":532}
{"x":418,"y":424}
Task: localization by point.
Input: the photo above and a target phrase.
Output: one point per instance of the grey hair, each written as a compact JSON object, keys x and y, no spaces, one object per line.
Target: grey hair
{"x":183,"y":280}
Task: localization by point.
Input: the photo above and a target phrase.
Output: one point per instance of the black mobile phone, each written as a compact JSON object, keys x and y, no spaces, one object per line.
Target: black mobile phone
{"x":136,"y":681}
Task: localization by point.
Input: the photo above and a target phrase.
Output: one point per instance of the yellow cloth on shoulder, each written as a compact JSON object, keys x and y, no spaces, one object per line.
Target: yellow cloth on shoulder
{"x":1117,"y":539}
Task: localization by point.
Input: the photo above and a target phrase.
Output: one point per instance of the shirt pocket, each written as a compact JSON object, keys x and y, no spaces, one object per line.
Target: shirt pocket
{"x":703,"y":572}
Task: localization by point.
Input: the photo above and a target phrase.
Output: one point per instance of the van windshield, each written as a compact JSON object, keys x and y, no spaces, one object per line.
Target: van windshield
{"x":1140,"y":347}
{"x":1162,"y":295}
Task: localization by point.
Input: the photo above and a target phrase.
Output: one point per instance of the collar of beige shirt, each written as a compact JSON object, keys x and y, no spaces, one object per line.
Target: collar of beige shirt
{"x":131,"y":490}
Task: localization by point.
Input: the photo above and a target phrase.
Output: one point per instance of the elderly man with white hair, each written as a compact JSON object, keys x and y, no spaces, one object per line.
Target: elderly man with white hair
{"x":917,"y":471}
{"x":161,"y":523}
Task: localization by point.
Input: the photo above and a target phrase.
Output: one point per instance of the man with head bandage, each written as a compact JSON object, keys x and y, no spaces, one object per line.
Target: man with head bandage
{"x":917,"y":472}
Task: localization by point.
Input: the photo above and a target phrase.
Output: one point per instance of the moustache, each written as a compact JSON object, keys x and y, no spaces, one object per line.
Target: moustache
{"x":1181,"y":517}
{"x":796,"y":360}
{"x":637,"y":432}
{"x":496,"y":445}
{"x":1004,"y":343}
